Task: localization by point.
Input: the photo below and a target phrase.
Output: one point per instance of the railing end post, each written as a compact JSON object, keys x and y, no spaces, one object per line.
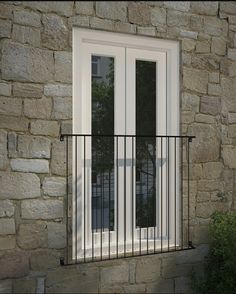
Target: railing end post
{"x":61,"y":137}
{"x":62,"y":261}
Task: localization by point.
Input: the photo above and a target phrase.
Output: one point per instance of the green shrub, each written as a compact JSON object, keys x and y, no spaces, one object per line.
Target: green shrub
{"x":220,"y":268}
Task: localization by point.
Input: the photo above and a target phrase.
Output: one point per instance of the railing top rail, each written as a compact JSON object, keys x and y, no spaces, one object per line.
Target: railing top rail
{"x":126,"y":136}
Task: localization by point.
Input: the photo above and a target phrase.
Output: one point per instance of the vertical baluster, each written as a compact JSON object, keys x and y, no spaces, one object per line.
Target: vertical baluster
{"x":124,"y":196}
{"x":84,"y":198}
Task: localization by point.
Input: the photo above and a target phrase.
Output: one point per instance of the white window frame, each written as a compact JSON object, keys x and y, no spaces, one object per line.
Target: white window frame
{"x":85,"y":43}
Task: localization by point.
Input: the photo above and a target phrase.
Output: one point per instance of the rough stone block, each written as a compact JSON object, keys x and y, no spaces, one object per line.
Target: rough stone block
{"x":201,"y":234}
{"x":218,"y":45}
{"x":6,"y":286}
{"x":210,"y":185}
{"x":44,"y":127}
{"x":228,"y":7}
{"x":214,"y":77}
{"x":32,"y":236}
{"x":27,"y":18}
{"x":232,"y":69}
{"x":14,"y":123}
{"x":177,"y":18}
{"x":33,"y":147}
{"x":7,"y":208}
{"x":6,"y":12}
{"x":27,"y":90}
{"x":26,"y":286}
{"x":58,"y":163}
{"x":35,"y":65}
{"x":228,"y":87}
{"x":229,"y":156}
{"x":148,"y":269}
{"x":190,"y":102}
{"x":56,"y":235}
{"x":187,"y":117}
{"x":11,"y":106}
{"x":12,"y":145}
{"x":84,"y":7}
{"x":26,"y":35}
{"x":41,"y":209}
{"x":146,"y":31}
{"x":171,"y":270}
{"x":158,"y":16}
{"x":5,"y":89}
{"x":197,"y":22}
{"x":115,"y":274}
{"x":161,"y":286}
{"x":5,"y":26}
{"x":232,"y":54}
{"x":19,"y":185}
{"x":177,"y":5}
{"x":14,"y":265}
{"x":204,"y":118}
{"x":7,"y":243}
{"x":204,"y":150}
{"x":139,"y":13}
{"x":210,"y":105}
{"x":67,"y":280}
{"x":215,"y":26}
{"x":203,"y":47}
{"x":3,"y":150}
{"x":112,"y":10}
{"x":205,"y":7}
{"x":139,"y":288}
{"x":7,"y":226}
{"x":63,"y":67}
{"x":62,"y":108}
{"x":203,"y":197}
{"x":54,"y":186}
{"x":64,"y":8}
{"x":38,"y":108}
{"x":55,"y":34}
{"x":78,"y":20}
{"x":40,"y":166}
{"x":58,"y":90}
{"x":232,"y":131}
{"x":182,"y":285}
{"x":66,"y":127}
{"x":232,"y":118}
{"x":102,"y":24}
{"x":196,"y":80}
{"x":188,"y":45}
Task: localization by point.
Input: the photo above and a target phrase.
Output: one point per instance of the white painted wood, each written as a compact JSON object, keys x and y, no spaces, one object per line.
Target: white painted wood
{"x":125,"y":49}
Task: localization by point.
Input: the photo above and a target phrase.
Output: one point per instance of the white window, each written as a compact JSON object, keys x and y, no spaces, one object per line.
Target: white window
{"x":135,"y":82}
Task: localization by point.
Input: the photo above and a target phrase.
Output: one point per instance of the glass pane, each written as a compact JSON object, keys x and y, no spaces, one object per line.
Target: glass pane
{"x":145,"y":147}
{"x":103,"y":147}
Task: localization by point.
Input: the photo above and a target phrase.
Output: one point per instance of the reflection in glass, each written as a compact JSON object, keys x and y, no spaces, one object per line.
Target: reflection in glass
{"x":102,"y":147}
{"x":145,"y":147}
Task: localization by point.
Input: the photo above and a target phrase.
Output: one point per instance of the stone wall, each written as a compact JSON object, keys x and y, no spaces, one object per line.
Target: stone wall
{"x":35,"y":106}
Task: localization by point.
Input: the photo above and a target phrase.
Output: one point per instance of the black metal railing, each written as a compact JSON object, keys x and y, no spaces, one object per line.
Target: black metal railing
{"x":126,"y":196}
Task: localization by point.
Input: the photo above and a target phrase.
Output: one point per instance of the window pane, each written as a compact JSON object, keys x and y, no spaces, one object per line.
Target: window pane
{"x":145,"y":147}
{"x":103,"y":147}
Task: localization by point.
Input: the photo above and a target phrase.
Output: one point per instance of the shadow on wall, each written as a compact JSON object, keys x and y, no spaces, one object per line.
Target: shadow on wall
{"x":166,"y":273}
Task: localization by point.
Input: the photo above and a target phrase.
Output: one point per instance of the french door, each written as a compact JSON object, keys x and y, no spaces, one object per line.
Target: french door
{"x":123,"y":100}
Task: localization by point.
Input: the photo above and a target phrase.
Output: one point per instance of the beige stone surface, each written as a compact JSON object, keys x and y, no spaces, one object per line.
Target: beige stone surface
{"x":26,"y":90}
{"x":41,"y":209}
{"x":112,"y":10}
{"x":32,"y":236}
{"x":16,"y":185}
{"x":44,"y":127}
{"x":14,"y":265}
{"x":196,"y":80}
{"x":40,"y":67}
